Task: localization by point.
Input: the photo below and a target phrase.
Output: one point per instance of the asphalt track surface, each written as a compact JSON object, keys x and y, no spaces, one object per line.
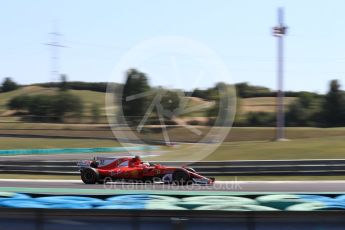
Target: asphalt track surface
{"x":226,"y":186}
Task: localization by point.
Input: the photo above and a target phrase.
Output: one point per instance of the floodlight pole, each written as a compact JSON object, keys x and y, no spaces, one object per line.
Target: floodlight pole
{"x":279,"y":32}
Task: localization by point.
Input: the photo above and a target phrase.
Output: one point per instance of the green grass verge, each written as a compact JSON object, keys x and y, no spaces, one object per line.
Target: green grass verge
{"x":241,"y":143}
{"x":43,"y":143}
{"x":238,"y":134}
{"x":308,"y":148}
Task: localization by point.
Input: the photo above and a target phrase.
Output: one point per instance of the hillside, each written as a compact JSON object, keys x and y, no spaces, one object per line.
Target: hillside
{"x":88,"y":97}
{"x":258,"y":104}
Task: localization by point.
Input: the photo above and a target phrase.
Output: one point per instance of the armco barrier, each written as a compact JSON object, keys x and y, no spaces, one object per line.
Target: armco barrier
{"x":207,"y":168}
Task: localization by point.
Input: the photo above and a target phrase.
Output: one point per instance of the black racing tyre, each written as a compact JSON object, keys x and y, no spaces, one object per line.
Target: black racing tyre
{"x":148,"y":180}
{"x":89,"y":176}
{"x":181,"y":177}
{"x":101,"y":181}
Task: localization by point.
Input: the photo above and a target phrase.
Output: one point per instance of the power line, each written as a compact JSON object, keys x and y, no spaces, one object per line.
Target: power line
{"x":55,"y":45}
{"x":254,"y":58}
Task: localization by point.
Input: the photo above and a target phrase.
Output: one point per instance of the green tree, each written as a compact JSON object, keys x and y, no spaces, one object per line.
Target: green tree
{"x":41,"y":107}
{"x":260,"y":119}
{"x":245,"y":90}
{"x":67,"y":104}
{"x":21,"y":102}
{"x":170,"y":101}
{"x":95,"y":112}
{"x":334,"y":105}
{"x":63,"y":83}
{"x":215,"y":94}
{"x":8,"y":85}
{"x":214,"y":110}
{"x":136,"y":84}
{"x":305,"y":111}
{"x":55,"y":107}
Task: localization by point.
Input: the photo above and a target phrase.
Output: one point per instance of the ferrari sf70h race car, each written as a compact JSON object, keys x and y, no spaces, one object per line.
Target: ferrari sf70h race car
{"x":132,"y":169}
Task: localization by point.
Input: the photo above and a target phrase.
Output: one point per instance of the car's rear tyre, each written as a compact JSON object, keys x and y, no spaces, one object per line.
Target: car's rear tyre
{"x":181,"y":177}
{"x":89,"y":176}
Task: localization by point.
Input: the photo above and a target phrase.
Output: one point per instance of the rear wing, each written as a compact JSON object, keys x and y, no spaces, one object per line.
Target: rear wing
{"x":102,"y":161}
{"x":83,"y":164}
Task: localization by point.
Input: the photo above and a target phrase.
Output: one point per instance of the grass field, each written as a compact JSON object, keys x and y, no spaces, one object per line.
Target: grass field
{"x":311,"y":148}
{"x":176,"y":134}
{"x":43,"y":143}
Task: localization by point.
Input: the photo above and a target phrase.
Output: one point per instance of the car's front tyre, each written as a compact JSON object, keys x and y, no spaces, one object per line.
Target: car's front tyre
{"x":181,"y":177}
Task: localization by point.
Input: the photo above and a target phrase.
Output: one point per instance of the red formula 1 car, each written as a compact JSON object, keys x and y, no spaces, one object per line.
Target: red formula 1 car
{"x":102,"y":170}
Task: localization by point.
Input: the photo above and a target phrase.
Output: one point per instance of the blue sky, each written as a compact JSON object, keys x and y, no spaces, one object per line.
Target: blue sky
{"x":98,"y":33}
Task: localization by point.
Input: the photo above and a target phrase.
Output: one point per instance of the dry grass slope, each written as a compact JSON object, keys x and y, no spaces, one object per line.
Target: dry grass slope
{"x":262,"y":104}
